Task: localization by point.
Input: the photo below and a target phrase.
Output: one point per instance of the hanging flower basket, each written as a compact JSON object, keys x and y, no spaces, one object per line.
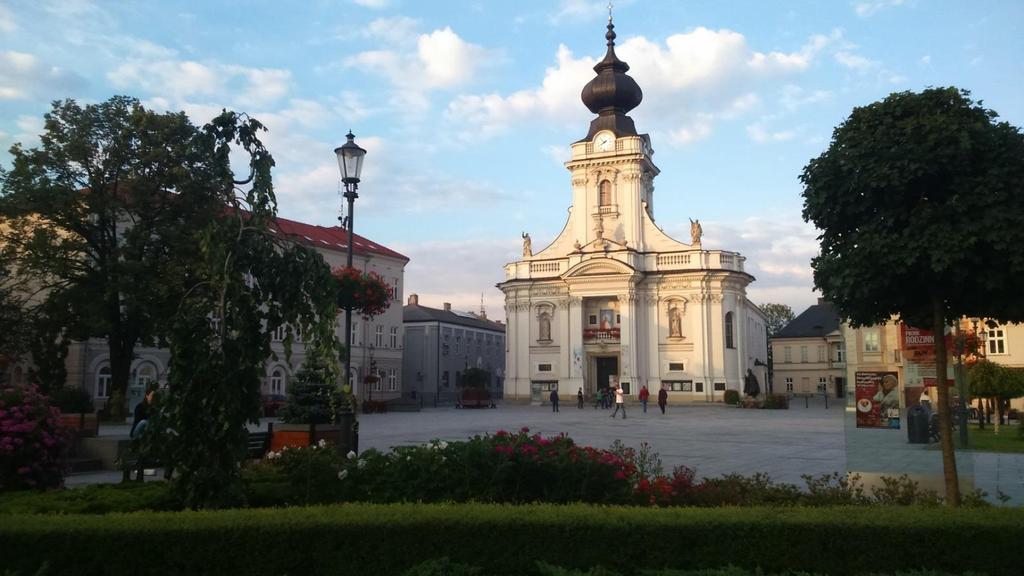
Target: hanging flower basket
{"x":365,"y":292}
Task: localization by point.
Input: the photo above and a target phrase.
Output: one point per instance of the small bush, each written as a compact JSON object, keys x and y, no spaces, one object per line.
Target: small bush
{"x":731,"y":397}
{"x":312,"y":398}
{"x":32,"y":441}
{"x":72,"y":400}
{"x":776,"y":401}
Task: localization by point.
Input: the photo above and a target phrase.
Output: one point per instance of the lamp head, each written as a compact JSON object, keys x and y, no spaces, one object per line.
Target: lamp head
{"x":350,"y":160}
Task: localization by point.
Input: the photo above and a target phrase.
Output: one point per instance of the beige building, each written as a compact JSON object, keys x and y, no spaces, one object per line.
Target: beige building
{"x":809,"y":354}
{"x":376,"y":344}
{"x":614,"y":299}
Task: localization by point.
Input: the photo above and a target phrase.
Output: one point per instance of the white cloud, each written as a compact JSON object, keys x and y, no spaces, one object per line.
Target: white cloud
{"x":575,"y":10}
{"x":690,"y":81}
{"x":24,"y":76}
{"x":758,"y":133}
{"x":392,"y":30}
{"x":375,"y":4}
{"x":180,"y":80}
{"x":868,"y":9}
{"x":7,"y":23}
{"x":439,"y":60}
{"x":926,"y":60}
{"x":560,"y":154}
{"x":855,"y":62}
{"x":794,"y":97}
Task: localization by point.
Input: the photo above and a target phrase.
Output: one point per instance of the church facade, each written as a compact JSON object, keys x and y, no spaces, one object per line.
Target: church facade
{"x":614,"y":300}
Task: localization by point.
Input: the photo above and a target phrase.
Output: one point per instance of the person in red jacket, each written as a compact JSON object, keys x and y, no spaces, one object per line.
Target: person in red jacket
{"x":662,"y":399}
{"x":644,"y":395}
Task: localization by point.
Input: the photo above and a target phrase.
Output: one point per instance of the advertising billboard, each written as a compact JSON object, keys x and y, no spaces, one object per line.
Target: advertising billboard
{"x":877,"y":396}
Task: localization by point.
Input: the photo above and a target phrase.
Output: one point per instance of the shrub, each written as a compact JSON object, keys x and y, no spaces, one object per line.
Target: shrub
{"x":776,"y":401}
{"x":312,"y":397}
{"x":32,"y":442}
{"x":372,"y":539}
{"x":72,"y":400}
{"x":731,"y":397}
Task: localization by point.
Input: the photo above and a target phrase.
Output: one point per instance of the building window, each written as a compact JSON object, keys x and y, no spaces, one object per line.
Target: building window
{"x":803,"y":354}
{"x":144,"y":375}
{"x":822,"y":383}
{"x":592,"y":319}
{"x":444,"y":379}
{"x":394,"y":336}
{"x":719,"y":386}
{"x":675,"y":366}
{"x":378,"y":340}
{"x":821,"y":353}
{"x":698,"y":387}
{"x":355,"y":331}
{"x":730,"y":341}
{"x":840,"y":353}
{"x":789,"y":384}
{"x":543,"y":367}
{"x":277,"y":381}
{"x":605,"y":193}
{"x":103,"y":382}
{"x":278,"y":335}
{"x":996,"y":340}
{"x":871,"y":341}
{"x":395,"y":292}
{"x":787,"y":355}
{"x":392,"y":380}
{"x":378,"y":383}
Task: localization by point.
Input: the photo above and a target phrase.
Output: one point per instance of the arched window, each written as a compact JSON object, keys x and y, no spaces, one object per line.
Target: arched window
{"x":145,"y":374}
{"x":103,"y":382}
{"x":605,"y":193}
{"x":276,"y":381}
{"x":730,"y":341}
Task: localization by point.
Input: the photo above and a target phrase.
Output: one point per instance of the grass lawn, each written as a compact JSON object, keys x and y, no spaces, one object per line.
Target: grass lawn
{"x":1008,"y":440}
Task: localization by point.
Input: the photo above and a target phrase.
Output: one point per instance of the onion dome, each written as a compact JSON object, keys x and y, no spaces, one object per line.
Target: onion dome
{"x":612,"y":93}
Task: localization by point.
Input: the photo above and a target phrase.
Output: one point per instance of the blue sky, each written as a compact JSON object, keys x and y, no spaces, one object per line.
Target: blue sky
{"x":467,"y":108}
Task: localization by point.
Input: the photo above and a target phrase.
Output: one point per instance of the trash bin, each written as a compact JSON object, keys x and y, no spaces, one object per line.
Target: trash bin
{"x":917,"y":424}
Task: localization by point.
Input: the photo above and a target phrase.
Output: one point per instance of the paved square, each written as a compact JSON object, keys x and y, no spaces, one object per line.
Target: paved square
{"x":714,"y":439}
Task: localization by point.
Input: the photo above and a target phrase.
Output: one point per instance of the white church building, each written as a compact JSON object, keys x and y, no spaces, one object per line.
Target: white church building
{"x":615,"y":300}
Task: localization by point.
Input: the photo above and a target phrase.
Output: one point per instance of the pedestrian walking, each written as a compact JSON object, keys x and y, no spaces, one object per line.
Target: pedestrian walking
{"x":579,"y":399}
{"x":620,"y":402}
{"x":598,"y":399}
{"x":554,"y":400}
{"x":662,"y":399}
{"x":644,"y":395}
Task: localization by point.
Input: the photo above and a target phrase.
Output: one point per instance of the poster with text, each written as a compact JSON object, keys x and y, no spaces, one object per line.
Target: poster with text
{"x":877,"y":396}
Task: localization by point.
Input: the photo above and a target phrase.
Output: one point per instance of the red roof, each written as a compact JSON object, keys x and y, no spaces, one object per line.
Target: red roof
{"x":333,"y":238}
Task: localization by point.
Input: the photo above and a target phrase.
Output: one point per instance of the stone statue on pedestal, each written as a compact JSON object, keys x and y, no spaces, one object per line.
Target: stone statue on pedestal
{"x":527,"y":246}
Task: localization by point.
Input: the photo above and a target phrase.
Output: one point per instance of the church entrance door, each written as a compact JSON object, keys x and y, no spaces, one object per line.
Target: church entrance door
{"x":607,"y":371}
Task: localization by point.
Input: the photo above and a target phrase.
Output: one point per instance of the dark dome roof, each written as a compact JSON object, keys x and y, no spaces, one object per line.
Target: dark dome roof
{"x":612,"y":92}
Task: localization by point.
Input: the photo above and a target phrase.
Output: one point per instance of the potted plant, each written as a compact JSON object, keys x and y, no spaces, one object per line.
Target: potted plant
{"x":314,"y":409}
{"x":475,"y":393}
{"x":77,"y":411}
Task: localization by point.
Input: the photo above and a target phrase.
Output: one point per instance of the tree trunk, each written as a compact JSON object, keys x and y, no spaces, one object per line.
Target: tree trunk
{"x":999,"y":416}
{"x":981,"y":413}
{"x":945,"y":417}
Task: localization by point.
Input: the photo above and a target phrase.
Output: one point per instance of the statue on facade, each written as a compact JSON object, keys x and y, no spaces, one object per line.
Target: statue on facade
{"x":545,"y":328}
{"x":599,"y":229}
{"x":695,"y":231}
{"x":577,"y":246}
{"x":527,"y":246}
{"x":675,"y":323}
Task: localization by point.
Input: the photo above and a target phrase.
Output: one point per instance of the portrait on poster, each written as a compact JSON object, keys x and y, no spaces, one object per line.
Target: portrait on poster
{"x":607,"y":319}
{"x":878,"y":400}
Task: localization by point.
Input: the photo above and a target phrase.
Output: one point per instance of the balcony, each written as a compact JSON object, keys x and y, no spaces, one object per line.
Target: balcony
{"x":596,"y":335}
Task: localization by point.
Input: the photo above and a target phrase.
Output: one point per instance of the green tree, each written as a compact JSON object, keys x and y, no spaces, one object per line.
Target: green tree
{"x":996,"y":382}
{"x":240,"y":282}
{"x":920,"y":203}
{"x":90,"y":218}
{"x":778,"y":316}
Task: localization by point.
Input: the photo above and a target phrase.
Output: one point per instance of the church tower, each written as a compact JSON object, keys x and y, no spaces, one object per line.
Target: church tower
{"x":613,"y":300}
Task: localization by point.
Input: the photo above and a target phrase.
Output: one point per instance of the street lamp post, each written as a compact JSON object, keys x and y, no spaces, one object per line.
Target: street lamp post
{"x":350,"y":163}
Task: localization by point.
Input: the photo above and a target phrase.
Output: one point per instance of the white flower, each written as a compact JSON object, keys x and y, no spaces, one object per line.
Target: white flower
{"x":361,"y":464}
{"x":322,"y":443}
{"x":342,"y":474}
{"x":442,"y":445}
{"x":351,"y":455}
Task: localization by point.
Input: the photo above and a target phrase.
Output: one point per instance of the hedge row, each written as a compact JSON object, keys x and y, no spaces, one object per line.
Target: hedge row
{"x":389,"y":539}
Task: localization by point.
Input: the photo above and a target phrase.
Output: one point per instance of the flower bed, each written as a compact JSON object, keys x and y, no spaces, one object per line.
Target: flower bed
{"x":32,"y":440}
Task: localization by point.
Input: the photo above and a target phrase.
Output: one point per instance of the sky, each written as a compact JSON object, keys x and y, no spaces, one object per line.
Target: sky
{"x":467,"y":108}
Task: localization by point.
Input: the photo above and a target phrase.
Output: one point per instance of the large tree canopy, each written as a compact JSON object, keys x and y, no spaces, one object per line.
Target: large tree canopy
{"x":778,"y":315}
{"x":920,"y":203}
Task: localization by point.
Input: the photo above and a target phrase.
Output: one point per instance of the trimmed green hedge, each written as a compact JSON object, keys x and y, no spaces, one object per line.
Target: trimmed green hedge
{"x":389,"y":539}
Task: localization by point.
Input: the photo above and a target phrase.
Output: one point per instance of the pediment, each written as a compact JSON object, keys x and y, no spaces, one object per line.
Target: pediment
{"x":599,"y":267}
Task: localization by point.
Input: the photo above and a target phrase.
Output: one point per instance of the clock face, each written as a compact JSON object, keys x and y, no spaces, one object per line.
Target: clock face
{"x":604,"y":142}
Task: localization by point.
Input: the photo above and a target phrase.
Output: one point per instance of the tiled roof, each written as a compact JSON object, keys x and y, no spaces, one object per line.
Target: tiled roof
{"x":817,"y":321}
{"x":417,"y":313}
{"x":333,"y":238}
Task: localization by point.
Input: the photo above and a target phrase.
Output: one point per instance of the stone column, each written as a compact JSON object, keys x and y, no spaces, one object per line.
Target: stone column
{"x":654,"y":315}
{"x":628,"y":341}
{"x":574,"y":343}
